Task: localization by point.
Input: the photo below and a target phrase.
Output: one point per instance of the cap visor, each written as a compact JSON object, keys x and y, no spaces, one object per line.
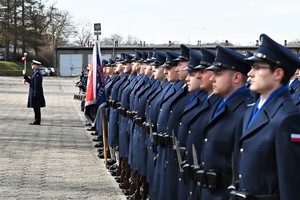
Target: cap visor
{"x":200,"y":67}
{"x":214,"y":67}
{"x":187,"y":69}
{"x":254,"y":59}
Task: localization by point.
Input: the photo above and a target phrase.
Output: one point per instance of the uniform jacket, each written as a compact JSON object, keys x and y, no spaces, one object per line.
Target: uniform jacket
{"x":142,"y":97}
{"x":114,"y":78}
{"x":296,"y":95}
{"x":268,"y":158}
{"x":219,"y":139}
{"x":172,"y":105}
{"x":295,"y":85}
{"x":36,"y":95}
{"x":113,"y":139}
{"x":154,"y":101}
{"x":196,"y":126}
{"x":185,"y":116}
{"x":195,"y":136}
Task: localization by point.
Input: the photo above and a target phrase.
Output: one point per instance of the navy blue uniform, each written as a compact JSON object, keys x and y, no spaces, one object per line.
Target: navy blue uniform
{"x":294,"y":87}
{"x":195,"y":136}
{"x":123,"y":130}
{"x":132,"y":158}
{"x":219,"y":142}
{"x":142,"y":143}
{"x":192,"y":106}
{"x":138,"y":139}
{"x":165,"y":179}
{"x":113,"y":135}
{"x":152,"y":110}
{"x":297,"y":99}
{"x":268,"y":149}
{"x":36,"y":98}
{"x":36,"y":95}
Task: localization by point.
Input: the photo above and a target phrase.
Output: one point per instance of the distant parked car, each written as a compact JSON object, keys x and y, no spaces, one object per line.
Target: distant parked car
{"x":43,"y":71}
{"x":50,"y":71}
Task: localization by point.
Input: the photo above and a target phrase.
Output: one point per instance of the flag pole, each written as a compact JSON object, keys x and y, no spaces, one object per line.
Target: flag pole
{"x":104,"y":136}
{"x":24,"y":70}
{"x":25,"y":54}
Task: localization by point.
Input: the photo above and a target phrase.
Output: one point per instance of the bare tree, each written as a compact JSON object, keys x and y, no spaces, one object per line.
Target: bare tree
{"x":85,"y":34}
{"x":131,"y":40}
{"x":117,"y":37}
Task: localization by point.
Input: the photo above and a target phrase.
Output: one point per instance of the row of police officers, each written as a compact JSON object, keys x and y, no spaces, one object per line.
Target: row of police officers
{"x":208,"y":125}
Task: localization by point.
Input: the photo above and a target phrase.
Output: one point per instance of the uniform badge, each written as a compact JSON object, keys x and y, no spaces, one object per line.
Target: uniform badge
{"x":295,"y":137}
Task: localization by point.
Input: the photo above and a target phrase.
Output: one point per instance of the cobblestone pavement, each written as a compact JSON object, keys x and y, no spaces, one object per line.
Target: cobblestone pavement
{"x":56,"y":160}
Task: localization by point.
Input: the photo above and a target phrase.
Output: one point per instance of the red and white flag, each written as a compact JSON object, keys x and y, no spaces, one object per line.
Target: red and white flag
{"x":295,"y":137}
{"x":95,"y":95}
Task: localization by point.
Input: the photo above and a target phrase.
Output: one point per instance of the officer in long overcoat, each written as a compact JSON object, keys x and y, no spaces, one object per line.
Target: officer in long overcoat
{"x":229,"y":80}
{"x":268,"y":142}
{"x":171,"y":106}
{"x":36,"y":98}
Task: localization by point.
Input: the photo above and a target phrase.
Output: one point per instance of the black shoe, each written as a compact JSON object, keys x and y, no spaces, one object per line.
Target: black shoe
{"x":110,"y":162}
{"x":99,"y":145}
{"x":92,"y":129}
{"x":118,"y":179}
{"x":126,"y":191}
{"x":113,"y":173}
{"x":112,"y":167}
{"x":98,"y":139}
{"x":88,"y":124}
{"x":35,"y":123}
{"x":94,"y":133}
{"x":101,"y":155}
{"x":100,"y":149}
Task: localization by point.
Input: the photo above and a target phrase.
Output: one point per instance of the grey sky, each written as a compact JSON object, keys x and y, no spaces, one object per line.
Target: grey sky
{"x":158,"y":21}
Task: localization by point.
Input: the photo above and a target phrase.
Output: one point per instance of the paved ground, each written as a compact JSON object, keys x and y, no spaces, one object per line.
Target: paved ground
{"x":56,"y":160}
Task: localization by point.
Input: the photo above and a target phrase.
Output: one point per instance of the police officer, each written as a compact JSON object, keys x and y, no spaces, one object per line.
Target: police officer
{"x":112,"y":77}
{"x":113,"y":135}
{"x":36,"y":98}
{"x":173,"y":103}
{"x":152,"y":110}
{"x":199,"y":120}
{"x":191,"y":109}
{"x":268,"y":137}
{"x":123,"y":129}
{"x":229,"y":80}
{"x":131,"y":114}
